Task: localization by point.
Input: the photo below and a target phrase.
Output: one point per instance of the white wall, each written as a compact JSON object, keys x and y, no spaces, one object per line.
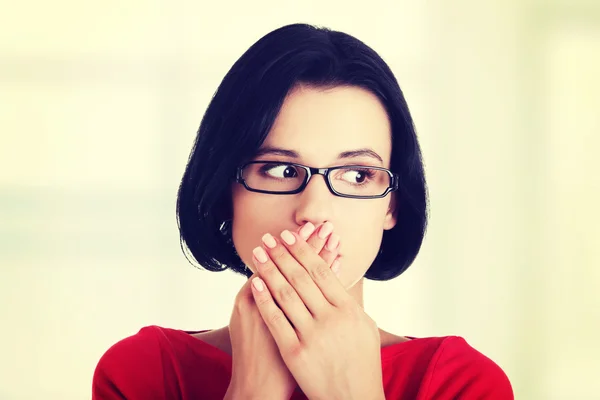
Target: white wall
{"x":99,"y":105}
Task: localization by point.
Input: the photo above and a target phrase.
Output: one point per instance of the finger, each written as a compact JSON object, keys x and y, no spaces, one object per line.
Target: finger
{"x":324,"y":246}
{"x":335,"y":266}
{"x":331,"y":249}
{"x":316,"y":237}
{"x":245,"y":292}
{"x":283,"y":333}
{"x":280,"y":289}
{"x":317,"y":269}
{"x":295,"y":276}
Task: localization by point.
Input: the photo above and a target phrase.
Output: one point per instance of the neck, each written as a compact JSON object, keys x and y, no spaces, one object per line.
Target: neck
{"x":356,"y":291}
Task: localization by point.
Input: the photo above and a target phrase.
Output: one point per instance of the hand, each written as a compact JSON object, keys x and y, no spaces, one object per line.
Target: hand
{"x":258,"y":370}
{"x":330,"y":345}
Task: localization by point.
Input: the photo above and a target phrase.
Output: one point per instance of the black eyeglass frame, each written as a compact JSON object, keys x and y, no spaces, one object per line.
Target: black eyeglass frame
{"x":310,"y":171}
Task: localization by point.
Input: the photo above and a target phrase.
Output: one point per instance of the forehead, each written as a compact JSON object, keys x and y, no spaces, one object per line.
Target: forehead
{"x":321,"y":123}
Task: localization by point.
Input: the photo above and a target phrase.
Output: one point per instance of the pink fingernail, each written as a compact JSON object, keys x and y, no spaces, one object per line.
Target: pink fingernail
{"x":325,"y":230}
{"x":333,"y":242}
{"x":288,"y":237}
{"x":258,"y":284}
{"x":260,"y":254}
{"x":269,"y":241}
{"x":307,"y":230}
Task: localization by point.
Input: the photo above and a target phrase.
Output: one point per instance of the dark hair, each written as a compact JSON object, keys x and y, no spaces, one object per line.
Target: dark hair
{"x":241,"y":114}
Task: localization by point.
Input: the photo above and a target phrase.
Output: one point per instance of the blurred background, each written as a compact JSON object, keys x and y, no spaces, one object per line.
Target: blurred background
{"x":99,"y":105}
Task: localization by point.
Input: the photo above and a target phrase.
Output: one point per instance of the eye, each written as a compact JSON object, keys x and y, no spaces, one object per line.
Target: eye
{"x":356,"y":176}
{"x":281,"y":171}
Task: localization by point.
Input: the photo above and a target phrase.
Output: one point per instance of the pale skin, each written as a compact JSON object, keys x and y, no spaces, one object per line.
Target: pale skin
{"x":308,"y":327}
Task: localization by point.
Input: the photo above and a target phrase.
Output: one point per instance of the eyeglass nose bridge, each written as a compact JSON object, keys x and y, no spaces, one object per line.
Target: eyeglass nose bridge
{"x":317,"y":171}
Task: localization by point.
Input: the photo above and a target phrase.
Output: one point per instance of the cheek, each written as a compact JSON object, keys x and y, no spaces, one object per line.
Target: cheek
{"x":361,"y":231}
{"x":363,"y":237}
{"x":253,"y":216}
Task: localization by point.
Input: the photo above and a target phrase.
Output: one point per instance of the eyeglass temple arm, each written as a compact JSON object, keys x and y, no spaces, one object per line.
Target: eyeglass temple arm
{"x":395,"y":181}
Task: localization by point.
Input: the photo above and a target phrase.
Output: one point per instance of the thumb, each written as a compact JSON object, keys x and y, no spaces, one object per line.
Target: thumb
{"x":246,"y":291}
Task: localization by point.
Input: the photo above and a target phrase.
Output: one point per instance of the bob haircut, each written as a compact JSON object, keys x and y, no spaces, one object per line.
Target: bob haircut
{"x":241,"y":114}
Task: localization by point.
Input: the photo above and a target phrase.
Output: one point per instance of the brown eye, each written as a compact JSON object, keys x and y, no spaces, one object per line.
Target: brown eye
{"x":356,"y":176}
{"x":280,"y":171}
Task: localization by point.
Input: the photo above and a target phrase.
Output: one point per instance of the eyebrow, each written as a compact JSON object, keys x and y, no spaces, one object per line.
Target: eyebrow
{"x":365,"y":152}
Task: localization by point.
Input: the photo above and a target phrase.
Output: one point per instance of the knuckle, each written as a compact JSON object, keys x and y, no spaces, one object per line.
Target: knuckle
{"x":298,"y":278}
{"x":269,"y":271}
{"x":295,"y":352}
{"x":278,"y":253}
{"x":320,"y":273}
{"x":315,"y":245}
{"x":302,"y":251}
{"x":286,"y":294}
{"x":265,"y":300}
{"x":277,"y":318}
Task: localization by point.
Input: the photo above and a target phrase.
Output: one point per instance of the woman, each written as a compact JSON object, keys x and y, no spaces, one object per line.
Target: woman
{"x":302,"y":102}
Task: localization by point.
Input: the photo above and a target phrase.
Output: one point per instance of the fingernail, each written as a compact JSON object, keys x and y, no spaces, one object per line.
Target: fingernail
{"x":325,"y":230}
{"x":333,"y":242}
{"x":260,"y":254}
{"x":335,"y":267}
{"x":288,"y":237}
{"x":307,"y":230}
{"x":269,"y":241}
{"x":258,"y":284}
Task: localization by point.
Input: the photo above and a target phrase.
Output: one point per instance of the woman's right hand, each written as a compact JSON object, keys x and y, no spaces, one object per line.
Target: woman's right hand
{"x":258,"y":371}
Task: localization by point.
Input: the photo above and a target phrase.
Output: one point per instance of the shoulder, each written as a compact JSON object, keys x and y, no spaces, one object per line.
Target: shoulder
{"x":456,"y":369}
{"x":131,"y":367}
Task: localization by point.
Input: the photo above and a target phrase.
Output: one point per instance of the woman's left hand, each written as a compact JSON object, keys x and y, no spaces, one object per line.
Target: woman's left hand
{"x":333,"y":347}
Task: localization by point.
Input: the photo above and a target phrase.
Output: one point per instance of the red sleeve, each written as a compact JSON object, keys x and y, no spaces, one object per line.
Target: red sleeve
{"x":460,"y":372}
{"x":130,"y":370}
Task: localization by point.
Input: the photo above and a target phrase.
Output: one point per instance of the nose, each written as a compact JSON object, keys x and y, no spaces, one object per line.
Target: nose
{"x":315,"y":203}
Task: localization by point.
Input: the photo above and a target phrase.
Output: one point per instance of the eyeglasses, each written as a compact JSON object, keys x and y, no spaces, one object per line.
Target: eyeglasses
{"x":352,"y":181}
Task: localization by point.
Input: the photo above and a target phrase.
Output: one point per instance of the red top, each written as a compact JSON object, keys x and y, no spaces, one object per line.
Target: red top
{"x":161,"y":363}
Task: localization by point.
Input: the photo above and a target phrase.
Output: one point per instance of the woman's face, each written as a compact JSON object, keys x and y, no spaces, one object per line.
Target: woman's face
{"x":320,"y":124}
